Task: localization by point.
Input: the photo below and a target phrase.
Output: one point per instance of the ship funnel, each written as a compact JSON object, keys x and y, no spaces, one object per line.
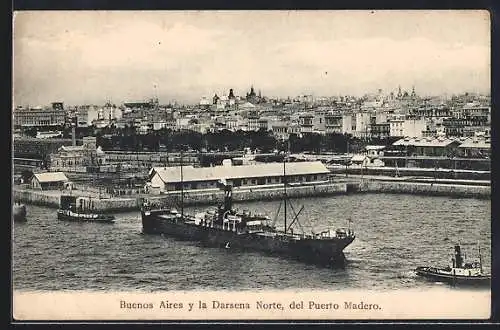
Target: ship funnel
{"x":228,"y":190}
{"x":458,"y":257}
{"x":73,"y":135}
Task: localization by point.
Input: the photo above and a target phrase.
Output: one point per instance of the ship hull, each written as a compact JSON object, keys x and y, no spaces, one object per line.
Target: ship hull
{"x":101,"y":219}
{"x":323,"y":252}
{"x":19,"y":213}
{"x":478,"y":280}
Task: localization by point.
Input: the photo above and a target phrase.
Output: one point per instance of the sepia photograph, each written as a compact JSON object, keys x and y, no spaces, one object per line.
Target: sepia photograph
{"x":251,"y":165}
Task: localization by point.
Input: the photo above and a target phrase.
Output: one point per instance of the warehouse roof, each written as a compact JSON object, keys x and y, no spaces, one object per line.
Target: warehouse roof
{"x":50,"y":177}
{"x":476,"y":143}
{"x":425,"y":142}
{"x":190,"y":173}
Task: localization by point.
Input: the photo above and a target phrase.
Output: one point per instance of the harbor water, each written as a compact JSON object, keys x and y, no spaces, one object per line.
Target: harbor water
{"x":395,"y":233}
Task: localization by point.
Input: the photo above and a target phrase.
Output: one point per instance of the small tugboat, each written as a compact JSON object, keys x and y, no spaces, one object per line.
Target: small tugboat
{"x":19,"y":212}
{"x":69,"y":211}
{"x":460,"y":273}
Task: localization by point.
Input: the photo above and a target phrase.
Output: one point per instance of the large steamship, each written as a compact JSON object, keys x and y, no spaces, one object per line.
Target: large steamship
{"x":232,"y":229}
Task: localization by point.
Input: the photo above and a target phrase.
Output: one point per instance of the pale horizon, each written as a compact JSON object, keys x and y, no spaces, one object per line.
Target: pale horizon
{"x":88,"y":57}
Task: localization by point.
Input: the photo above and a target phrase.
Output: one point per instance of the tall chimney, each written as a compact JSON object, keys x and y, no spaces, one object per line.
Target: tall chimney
{"x":73,"y":135}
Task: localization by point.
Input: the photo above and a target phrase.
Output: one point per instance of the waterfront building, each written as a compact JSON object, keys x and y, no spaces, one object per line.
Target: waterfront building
{"x":85,"y":115}
{"x":333,"y":122}
{"x":475,"y":147}
{"x":135,"y":106}
{"x":319,"y":125}
{"x":475,"y":109}
{"x":40,"y":117}
{"x":414,"y":127}
{"x":361,"y":124}
{"x":295,"y":129}
{"x":347,"y":124}
{"x":370,"y":157}
{"x":433,"y":111}
{"x":110,"y":112}
{"x":465,"y":126}
{"x":380,"y":130}
{"x":399,"y":127}
{"x":418,"y":146}
{"x":306,"y":122}
{"x":147,"y":159}
{"x":253,"y":122}
{"x":235,"y":122}
{"x":77,"y":158}
{"x":263,"y":123}
{"x":162,"y":179}
{"x":49,"y":181}
{"x":281,"y":130}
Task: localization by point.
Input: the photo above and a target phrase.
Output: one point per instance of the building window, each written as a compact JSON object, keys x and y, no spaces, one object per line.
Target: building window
{"x":253,"y":181}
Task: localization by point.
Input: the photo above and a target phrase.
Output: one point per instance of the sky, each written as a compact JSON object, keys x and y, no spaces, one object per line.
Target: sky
{"x":88,"y":57}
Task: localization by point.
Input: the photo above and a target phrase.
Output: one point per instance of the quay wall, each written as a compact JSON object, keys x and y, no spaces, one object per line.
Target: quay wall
{"x":417,"y":188}
{"x":214,"y":197}
{"x":36,"y":197}
{"x":441,"y":173}
{"x":207,"y":197}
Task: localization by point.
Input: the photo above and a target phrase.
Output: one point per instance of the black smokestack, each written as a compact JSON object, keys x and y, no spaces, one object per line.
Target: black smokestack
{"x":458,"y":257}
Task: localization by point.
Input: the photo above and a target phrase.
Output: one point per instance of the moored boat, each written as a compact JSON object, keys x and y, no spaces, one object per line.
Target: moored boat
{"x":459,"y":273}
{"x":19,"y":212}
{"x":69,"y":211}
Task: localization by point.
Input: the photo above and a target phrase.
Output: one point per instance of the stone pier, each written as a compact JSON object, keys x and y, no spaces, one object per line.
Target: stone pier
{"x":215,"y":196}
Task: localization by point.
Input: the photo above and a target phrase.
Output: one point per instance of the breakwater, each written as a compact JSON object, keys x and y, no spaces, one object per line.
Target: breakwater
{"x":214,"y":196}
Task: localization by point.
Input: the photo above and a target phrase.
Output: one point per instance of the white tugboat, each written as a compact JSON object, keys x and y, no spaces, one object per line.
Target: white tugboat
{"x":460,"y":272}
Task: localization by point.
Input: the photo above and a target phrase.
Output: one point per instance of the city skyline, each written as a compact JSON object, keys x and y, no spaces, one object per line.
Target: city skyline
{"x":89,"y":57}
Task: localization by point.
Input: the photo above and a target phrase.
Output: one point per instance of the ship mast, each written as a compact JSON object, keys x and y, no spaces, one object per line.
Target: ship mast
{"x":284,"y":190}
{"x":182,"y":188}
{"x":285,"y":182}
{"x":480,"y":258}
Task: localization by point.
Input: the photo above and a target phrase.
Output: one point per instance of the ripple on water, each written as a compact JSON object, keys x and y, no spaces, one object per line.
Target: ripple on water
{"x":395,"y":233}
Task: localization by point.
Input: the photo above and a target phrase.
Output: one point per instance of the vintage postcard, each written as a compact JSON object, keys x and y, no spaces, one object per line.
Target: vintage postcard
{"x":251,"y":165}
